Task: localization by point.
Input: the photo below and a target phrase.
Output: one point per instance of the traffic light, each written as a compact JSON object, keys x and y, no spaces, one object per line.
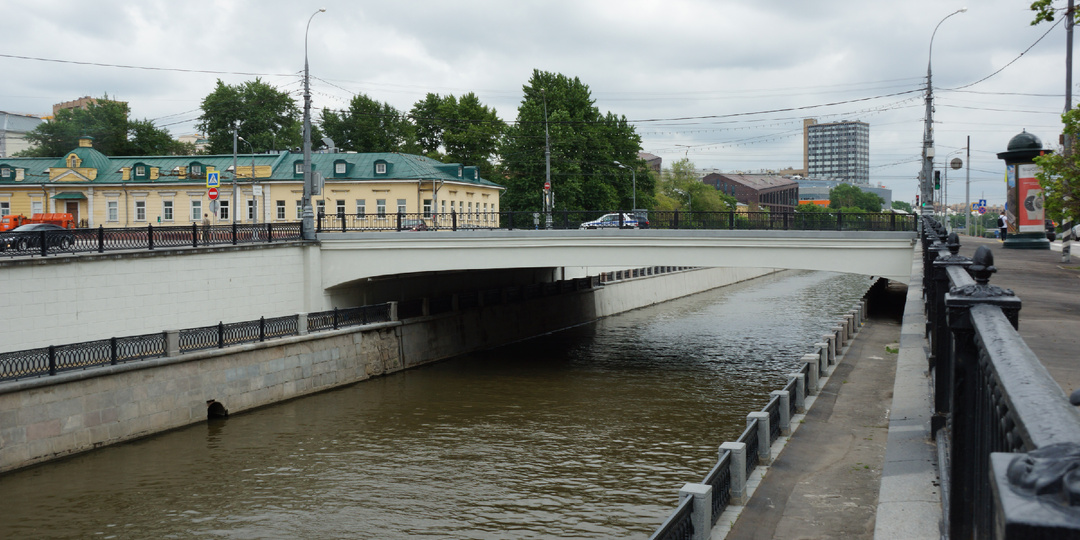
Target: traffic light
{"x":916,"y":201}
{"x":937,"y":179}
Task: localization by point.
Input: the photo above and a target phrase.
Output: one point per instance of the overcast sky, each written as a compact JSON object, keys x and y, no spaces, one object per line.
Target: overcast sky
{"x":720,"y":63}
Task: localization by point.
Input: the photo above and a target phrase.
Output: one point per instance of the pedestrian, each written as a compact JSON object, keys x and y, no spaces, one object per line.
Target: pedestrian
{"x":1003,"y":225}
{"x":206,"y":228}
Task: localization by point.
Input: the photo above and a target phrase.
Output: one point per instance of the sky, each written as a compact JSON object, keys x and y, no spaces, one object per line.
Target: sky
{"x":724,"y":83}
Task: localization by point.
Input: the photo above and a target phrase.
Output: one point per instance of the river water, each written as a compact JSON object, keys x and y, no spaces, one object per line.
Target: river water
{"x":584,"y":433}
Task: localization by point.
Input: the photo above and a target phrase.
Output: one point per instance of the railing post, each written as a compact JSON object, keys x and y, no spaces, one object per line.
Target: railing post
{"x":336,"y":318}
{"x":398,"y":218}
{"x":785,"y":410}
{"x":318,"y":222}
{"x":675,"y":220}
{"x":194,"y":235}
{"x":301,"y":324}
{"x":970,"y":474}
{"x":839,"y":220}
{"x":52,"y":360}
{"x":940,"y":337}
{"x":269,"y":232}
{"x":1026,"y":507}
{"x":736,"y":470}
{"x":393,"y":316}
{"x":150,"y":235}
{"x":341,"y":216}
{"x":830,"y":339}
{"x":172,"y":343}
{"x":764,"y":436}
{"x":101,"y":239}
{"x":221,"y":335}
{"x":113,"y":351}
{"x":800,"y":391}
{"x":812,"y":362}
{"x":701,"y":515}
{"x":824,"y":360}
{"x":786,"y":214}
{"x":731,"y":220}
{"x":43,"y":243}
{"x":262,"y":328}
{"x":453,"y":219}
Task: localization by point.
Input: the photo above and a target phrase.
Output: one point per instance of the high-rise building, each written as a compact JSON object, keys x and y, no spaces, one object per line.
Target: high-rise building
{"x":839,"y":150}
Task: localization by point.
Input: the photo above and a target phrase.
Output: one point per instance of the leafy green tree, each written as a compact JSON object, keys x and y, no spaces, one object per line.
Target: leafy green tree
{"x":472,"y":134}
{"x":902,"y":205}
{"x":845,"y":196}
{"x":1059,"y":175}
{"x":107,"y":122}
{"x":584,"y":146}
{"x":427,"y":117}
{"x":369,"y":126}
{"x":680,"y":189}
{"x":813,"y":209}
{"x":267,"y":117}
{"x":1046,"y":12}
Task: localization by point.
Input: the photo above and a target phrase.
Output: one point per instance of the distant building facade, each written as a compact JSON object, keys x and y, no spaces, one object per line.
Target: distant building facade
{"x":774,"y":192}
{"x":653,"y":162}
{"x":839,"y":150}
{"x":13,"y":130}
{"x":81,"y":103}
{"x":817,"y":190}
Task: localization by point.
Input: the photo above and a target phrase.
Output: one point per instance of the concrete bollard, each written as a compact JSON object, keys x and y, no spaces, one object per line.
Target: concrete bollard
{"x":839,"y":331}
{"x":301,"y":324}
{"x":849,"y":326}
{"x":831,"y":340}
{"x":785,"y":410}
{"x":764,"y":436}
{"x":172,"y":343}
{"x":701,"y":515}
{"x":811,"y":361}
{"x":736,"y":470}
{"x":800,"y":391}
{"x":823,"y":354}
{"x":393,"y":311}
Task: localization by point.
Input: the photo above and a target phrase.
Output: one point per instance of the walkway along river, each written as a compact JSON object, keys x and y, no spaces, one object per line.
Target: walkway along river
{"x":585,"y":433}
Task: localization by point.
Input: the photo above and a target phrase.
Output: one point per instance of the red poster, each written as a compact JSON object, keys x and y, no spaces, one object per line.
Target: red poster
{"x":1030,"y":199}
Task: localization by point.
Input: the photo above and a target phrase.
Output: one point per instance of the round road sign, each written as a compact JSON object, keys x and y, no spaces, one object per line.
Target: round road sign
{"x":213,"y":193}
{"x":982,"y":210}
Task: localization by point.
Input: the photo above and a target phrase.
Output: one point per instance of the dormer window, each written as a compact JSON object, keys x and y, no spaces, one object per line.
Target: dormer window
{"x":195,"y":170}
{"x":298,"y":168}
{"x":460,"y":171}
{"x":140,"y":170}
{"x":339,"y":167}
{"x":6,"y":173}
{"x":380,"y":168}
{"x":73,"y":161}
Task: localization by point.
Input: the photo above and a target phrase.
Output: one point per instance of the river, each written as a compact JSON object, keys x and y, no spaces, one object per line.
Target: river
{"x":583,"y":433}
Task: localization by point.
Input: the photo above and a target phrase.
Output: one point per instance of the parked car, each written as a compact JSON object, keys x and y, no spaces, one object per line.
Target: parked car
{"x":611,"y":221}
{"x":413,"y":225}
{"x":27,"y":237}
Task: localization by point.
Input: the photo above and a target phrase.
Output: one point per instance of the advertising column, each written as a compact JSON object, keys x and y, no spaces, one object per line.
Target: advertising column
{"x":1024,"y":195}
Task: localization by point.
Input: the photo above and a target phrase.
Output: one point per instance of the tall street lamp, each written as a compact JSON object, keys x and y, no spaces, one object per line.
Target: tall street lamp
{"x":255,"y":214}
{"x":634,"y":173}
{"x":928,"y":130}
{"x":308,"y":225}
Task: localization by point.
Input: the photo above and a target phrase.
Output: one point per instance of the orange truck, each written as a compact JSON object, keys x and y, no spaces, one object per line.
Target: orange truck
{"x":66,"y":221}
{"x":11,"y":221}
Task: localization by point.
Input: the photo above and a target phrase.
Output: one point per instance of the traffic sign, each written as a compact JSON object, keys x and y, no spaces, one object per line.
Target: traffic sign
{"x":547,"y":186}
{"x":212,"y":179}
{"x":982,"y":210}
{"x":982,"y":203}
{"x":213,"y":193}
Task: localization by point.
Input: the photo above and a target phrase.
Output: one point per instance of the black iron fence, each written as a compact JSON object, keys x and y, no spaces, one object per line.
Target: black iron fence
{"x":101,"y":239}
{"x":1012,"y":436}
{"x":726,"y":481}
{"x":595,"y":219}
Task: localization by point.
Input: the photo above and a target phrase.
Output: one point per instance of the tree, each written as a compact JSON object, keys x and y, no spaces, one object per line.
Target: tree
{"x":107,"y":122}
{"x":472,"y":134}
{"x":584,"y":146}
{"x":369,"y":126}
{"x":901,"y":205}
{"x":427,"y":118}
{"x":845,"y":196}
{"x":1045,"y":11}
{"x":680,"y":189}
{"x":1059,"y":174}
{"x":266,"y":117}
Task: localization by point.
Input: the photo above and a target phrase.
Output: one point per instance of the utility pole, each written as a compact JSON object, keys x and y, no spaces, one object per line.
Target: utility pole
{"x":235,"y":204}
{"x":549,"y":195}
{"x":967,"y":190}
{"x":308,"y":226}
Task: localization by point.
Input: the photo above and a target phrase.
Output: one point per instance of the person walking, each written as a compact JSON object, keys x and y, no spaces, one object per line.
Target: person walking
{"x":206,"y":228}
{"x":1003,"y":225}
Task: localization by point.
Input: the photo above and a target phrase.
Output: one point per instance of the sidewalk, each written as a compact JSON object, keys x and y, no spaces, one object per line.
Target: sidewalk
{"x":847,"y":469}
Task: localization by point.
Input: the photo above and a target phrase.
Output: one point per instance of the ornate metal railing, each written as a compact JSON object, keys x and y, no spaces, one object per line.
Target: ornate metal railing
{"x":103,"y":239}
{"x":679,"y":525}
{"x":588,"y":219}
{"x":1012,"y":435}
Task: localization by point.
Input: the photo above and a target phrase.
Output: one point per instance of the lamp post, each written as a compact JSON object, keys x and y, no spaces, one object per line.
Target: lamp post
{"x":308,"y":225}
{"x":945,"y":187}
{"x":634,"y":173}
{"x":235,"y":199}
{"x":928,"y":129}
{"x":255,"y":214}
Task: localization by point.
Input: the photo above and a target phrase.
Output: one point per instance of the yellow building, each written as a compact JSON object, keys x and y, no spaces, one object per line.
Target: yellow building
{"x":366,"y":189}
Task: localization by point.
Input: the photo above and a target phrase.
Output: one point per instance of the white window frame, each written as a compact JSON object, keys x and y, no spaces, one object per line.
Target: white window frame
{"x":299,"y":210}
{"x":166,"y":210}
{"x":339,"y":168}
{"x":401,"y":203}
{"x":320,"y":207}
{"x":280,"y":209}
{"x":196,"y":210}
{"x":299,"y":168}
{"x":380,"y":207}
{"x":140,"y":210}
{"x":140,"y":170}
{"x":361,"y":207}
{"x":223,"y":209}
{"x":339,"y":206}
{"x":196,"y":171}
{"x":427,"y":208}
{"x":252,"y":208}
{"x":112,"y":211}
{"x":5,"y":209}
{"x":380,"y":168}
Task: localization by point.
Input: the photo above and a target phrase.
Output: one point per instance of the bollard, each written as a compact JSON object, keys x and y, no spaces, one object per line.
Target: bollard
{"x":823,"y":352}
{"x":839,"y":337}
{"x":737,"y":470}
{"x":831,"y":340}
{"x":764,"y":436}
{"x":812,"y":373}
{"x":701,"y":515}
{"x":393,"y":316}
{"x":849,"y":326}
{"x":785,"y":410}
{"x":172,"y":343}
{"x":800,"y":391}
{"x":301,"y":324}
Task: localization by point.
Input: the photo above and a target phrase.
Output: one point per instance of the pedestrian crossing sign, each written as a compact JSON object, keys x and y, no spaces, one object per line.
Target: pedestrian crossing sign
{"x":212,"y":179}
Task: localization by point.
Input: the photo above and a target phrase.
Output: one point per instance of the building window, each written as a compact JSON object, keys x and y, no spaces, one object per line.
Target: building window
{"x":196,"y":170}
{"x":401,"y":206}
{"x":320,"y":210}
{"x":427,"y":207}
{"x":339,"y":167}
{"x":112,"y":210}
{"x":196,"y":210}
{"x":140,"y":210}
{"x":5,"y":209}
{"x":340,"y":207}
{"x":444,"y":207}
{"x":380,"y":168}
{"x":253,"y":209}
{"x":166,"y":210}
{"x":140,"y":170}
{"x":223,"y":210}
{"x":361,"y":207}
{"x":299,"y":168}
{"x":281,"y":209}
{"x":5,"y":172}
{"x":380,"y":207}
{"x":299,"y":210}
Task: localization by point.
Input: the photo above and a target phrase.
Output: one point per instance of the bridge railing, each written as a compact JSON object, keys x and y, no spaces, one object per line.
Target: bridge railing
{"x":725,"y":484}
{"x":102,"y":239}
{"x":1012,"y":436}
{"x":589,"y":219}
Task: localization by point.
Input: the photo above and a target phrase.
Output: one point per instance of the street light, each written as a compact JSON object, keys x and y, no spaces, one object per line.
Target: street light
{"x":928,"y":129}
{"x":308,"y":225}
{"x":255,"y":216}
{"x":634,"y":173}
